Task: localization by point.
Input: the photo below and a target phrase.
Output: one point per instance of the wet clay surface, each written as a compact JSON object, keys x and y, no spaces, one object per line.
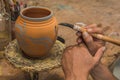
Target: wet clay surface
{"x":105,"y":12}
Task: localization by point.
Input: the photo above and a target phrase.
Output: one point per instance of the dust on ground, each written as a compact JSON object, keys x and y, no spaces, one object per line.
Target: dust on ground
{"x":105,"y":12}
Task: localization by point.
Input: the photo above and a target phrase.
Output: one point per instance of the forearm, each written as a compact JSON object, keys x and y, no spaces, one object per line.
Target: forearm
{"x":101,"y":72}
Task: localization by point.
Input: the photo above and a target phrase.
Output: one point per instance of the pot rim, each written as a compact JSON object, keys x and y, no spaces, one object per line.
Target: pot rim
{"x":36,"y":19}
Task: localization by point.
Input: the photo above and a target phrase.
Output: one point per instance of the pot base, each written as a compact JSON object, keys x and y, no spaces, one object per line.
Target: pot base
{"x":33,"y":58}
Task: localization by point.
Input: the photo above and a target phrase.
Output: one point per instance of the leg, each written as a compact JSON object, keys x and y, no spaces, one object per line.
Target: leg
{"x":35,"y":76}
{"x":27,"y":75}
{"x":31,"y":75}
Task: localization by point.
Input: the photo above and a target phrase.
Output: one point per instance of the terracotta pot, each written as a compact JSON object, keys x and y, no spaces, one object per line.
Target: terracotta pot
{"x":36,"y":31}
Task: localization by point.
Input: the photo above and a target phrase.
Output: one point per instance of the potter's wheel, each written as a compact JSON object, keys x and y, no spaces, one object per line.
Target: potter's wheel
{"x":14,"y":55}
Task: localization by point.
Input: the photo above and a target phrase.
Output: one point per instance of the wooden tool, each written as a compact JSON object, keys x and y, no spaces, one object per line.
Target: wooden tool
{"x":98,"y":36}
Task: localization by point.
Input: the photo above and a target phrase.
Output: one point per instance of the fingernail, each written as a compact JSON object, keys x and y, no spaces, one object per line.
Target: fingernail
{"x":79,"y":40}
{"x":94,"y":24}
{"x":85,"y":34}
{"x":89,"y":30}
{"x":103,"y":48}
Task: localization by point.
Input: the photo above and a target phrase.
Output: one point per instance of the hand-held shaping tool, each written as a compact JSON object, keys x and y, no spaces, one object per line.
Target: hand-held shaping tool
{"x":80,"y":27}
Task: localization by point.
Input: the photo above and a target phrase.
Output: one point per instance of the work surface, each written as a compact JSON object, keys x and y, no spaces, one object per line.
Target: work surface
{"x":105,"y":12}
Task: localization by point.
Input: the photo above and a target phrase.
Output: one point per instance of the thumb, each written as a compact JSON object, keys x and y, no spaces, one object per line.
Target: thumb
{"x":99,"y":54}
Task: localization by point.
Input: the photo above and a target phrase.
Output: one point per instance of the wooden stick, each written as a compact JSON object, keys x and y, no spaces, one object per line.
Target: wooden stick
{"x":102,"y":37}
{"x":106,"y":38}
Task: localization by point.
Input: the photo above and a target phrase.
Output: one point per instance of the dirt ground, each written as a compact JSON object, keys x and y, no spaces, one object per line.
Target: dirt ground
{"x":105,"y":12}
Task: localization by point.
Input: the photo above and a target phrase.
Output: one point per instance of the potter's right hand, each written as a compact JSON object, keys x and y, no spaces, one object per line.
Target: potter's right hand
{"x":92,"y":43}
{"x":100,"y":72}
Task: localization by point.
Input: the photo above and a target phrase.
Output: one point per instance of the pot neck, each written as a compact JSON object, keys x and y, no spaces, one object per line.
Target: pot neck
{"x":36,"y":19}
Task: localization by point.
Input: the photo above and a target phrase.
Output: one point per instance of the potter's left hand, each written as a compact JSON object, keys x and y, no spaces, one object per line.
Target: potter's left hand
{"x":77,"y":62}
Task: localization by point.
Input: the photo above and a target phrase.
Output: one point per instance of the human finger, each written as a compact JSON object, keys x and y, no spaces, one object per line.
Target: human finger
{"x":78,"y":33}
{"x":79,"y":40}
{"x":94,"y":30}
{"x":99,"y":54}
{"x":91,"y":26}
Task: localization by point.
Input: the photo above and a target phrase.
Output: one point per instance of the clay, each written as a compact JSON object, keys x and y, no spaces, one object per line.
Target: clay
{"x":36,"y":31}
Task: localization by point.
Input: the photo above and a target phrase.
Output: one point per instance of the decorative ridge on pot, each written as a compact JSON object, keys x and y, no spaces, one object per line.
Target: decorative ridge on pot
{"x":25,"y":11}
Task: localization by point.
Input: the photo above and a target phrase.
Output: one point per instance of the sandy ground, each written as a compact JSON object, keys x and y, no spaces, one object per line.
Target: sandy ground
{"x":105,"y":12}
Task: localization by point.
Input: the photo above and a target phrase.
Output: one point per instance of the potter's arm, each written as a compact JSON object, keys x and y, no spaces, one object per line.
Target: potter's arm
{"x":101,"y":72}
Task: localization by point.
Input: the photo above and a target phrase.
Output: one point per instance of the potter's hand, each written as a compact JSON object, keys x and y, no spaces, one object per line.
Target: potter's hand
{"x":100,"y":72}
{"x":93,"y":44}
{"x":77,"y":62}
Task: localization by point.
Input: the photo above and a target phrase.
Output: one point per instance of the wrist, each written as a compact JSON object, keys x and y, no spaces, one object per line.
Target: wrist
{"x":97,"y":69}
{"x":81,"y":76}
{"x":101,"y":72}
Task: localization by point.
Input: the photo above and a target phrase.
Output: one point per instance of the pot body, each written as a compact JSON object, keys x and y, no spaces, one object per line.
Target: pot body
{"x":36,"y":34}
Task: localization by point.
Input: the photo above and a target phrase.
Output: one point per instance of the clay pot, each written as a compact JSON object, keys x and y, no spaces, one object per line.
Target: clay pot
{"x":36,"y":31}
